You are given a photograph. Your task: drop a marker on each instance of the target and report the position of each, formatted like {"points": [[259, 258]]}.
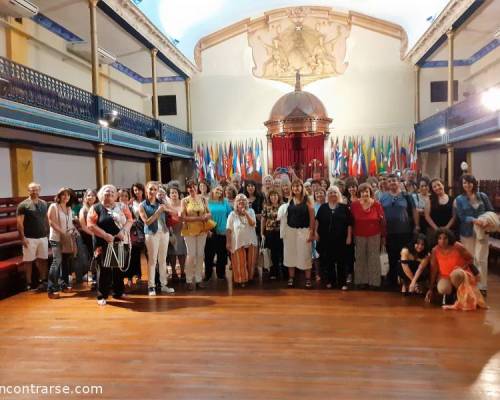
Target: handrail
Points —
{"points": [[25, 85]]}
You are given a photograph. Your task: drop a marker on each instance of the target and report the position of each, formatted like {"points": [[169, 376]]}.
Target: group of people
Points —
{"points": [[336, 233]]}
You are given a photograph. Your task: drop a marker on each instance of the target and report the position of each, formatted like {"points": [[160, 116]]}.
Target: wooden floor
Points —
{"points": [[254, 343]]}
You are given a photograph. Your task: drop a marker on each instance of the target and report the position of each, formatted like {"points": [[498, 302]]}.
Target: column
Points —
{"points": [[417, 94], [21, 168], [99, 160], [451, 166], [154, 99], [94, 46], [269, 154], [450, 35], [187, 83], [158, 167]]}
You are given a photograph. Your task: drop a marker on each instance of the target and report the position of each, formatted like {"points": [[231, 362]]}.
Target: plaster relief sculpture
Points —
{"points": [[310, 40]]}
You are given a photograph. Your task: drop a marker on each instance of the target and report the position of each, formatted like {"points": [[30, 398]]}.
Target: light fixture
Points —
{"points": [[491, 99], [442, 131], [110, 119]]}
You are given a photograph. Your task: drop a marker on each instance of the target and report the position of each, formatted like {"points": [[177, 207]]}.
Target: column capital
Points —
{"points": [[154, 52], [416, 68], [93, 3], [450, 33], [158, 156]]}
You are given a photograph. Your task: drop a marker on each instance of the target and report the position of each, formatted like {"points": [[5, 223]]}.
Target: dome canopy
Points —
{"points": [[298, 104]]}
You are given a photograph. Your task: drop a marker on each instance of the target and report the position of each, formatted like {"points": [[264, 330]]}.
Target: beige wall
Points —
{"points": [[170, 88], [55, 170], [125, 173], [486, 164], [5, 175], [374, 96]]}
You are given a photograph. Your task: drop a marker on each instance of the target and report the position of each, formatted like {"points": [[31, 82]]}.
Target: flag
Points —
{"points": [[345, 156], [258, 161], [355, 160], [249, 159], [237, 157], [333, 156], [338, 158], [404, 157], [230, 161], [382, 159], [413, 152], [373, 158], [220, 162], [390, 155], [242, 161]]}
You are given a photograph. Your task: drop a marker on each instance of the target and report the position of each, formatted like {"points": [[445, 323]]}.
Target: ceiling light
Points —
{"points": [[103, 123], [491, 99], [442, 131]]}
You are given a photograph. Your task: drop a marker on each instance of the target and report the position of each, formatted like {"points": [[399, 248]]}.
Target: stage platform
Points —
{"points": [[263, 342]]}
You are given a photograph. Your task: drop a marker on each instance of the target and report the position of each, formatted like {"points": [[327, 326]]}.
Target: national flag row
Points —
{"points": [[216, 161], [361, 156]]}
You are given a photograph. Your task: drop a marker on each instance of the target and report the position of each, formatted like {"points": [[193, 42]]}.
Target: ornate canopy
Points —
{"points": [[298, 112]]}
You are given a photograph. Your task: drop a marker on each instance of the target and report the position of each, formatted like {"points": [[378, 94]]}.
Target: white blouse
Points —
{"points": [[242, 234]]}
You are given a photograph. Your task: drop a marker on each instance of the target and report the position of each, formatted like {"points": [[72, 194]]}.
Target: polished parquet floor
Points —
{"points": [[262, 342]]}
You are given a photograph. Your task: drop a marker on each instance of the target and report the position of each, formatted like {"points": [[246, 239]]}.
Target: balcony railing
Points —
{"points": [[460, 114], [26, 86]]}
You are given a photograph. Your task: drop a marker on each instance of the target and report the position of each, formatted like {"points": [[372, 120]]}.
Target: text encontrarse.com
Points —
{"points": [[50, 389]]}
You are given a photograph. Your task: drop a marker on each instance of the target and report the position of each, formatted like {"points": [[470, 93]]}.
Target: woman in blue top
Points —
{"points": [[469, 206], [216, 240], [154, 216]]}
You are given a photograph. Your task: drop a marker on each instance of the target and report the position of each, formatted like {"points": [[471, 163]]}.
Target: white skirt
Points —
{"points": [[297, 251]]}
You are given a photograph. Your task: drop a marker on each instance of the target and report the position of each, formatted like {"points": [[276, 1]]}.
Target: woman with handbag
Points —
{"points": [[195, 214], [110, 223], [62, 240], [89, 200], [241, 240], [271, 232], [177, 250], [216, 240], [369, 233], [154, 215], [137, 237]]}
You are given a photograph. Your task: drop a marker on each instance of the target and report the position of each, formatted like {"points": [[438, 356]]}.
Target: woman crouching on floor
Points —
{"points": [[241, 240], [109, 221], [451, 266], [413, 272]]}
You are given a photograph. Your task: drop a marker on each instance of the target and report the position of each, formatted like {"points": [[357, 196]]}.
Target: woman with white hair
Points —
{"points": [[241, 240], [267, 184], [299, 234], [333, 235], [109, 221]]}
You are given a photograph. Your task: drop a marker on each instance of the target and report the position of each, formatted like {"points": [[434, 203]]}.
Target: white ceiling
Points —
{"points": [[189, 20], [74, 15], [474, 34]]}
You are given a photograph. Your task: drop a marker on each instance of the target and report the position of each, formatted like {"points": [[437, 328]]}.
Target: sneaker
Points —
{"points": [[152, 291], [167, 290], [308, 284], [349, 278], [53, 295], [101, 302], [290, 283], [344, 288], [28, 288], [328, 285]]}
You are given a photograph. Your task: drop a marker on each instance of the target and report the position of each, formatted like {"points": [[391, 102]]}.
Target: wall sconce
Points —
{"points": [[109, 119]]}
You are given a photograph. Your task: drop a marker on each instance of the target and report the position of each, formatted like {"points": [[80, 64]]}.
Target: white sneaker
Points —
{"points": [[168, 290], [349, 278], [152, 292], [101, 302], [344, 287]]}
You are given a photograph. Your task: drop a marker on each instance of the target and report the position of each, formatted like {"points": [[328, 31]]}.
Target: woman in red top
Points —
{"points": [[452, 263], [369, 233]]}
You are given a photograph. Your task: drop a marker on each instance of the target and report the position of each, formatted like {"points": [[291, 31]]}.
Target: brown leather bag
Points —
{"points": [[66, 240]]}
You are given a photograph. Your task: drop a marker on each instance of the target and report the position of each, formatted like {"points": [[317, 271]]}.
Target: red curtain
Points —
{"points": [[298, 149]]}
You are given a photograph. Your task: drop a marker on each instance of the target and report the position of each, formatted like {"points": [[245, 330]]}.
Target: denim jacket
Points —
{"points": [[150, 209], [466, 213]]}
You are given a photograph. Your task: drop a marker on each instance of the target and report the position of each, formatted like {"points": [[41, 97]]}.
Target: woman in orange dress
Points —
{"points": [[453, 264]]}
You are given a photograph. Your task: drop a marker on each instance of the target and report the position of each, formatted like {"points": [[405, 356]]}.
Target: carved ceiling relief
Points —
{"points": [[314, 43]]}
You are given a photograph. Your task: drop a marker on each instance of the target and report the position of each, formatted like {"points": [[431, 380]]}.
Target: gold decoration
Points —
{"points": [[299, 39]]}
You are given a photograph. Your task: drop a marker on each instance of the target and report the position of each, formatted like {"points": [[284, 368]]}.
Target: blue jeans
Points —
{"points": [[59, 269]]}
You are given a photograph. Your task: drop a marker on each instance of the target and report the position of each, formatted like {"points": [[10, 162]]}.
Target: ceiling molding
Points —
{"points": [[444, 21], [250, 24], [138, 21]]}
